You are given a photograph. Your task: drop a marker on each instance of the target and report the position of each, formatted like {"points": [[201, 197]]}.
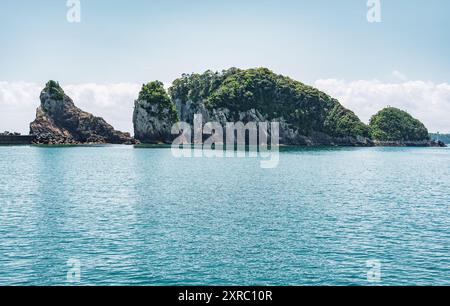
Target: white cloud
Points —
{"points": [[113, 102], [427, 101], [18, 103]]}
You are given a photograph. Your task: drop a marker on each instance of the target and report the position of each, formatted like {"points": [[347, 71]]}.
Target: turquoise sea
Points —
{"points": [[139, 216]]}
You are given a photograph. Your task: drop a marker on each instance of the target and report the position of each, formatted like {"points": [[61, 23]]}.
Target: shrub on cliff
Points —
{"points": [[153, 97], [53, 88], [392, 124]]}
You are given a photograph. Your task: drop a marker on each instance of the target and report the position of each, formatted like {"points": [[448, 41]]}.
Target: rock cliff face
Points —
{"points": [[59, 121], [289, 134], [306, 115], [154, 114]]}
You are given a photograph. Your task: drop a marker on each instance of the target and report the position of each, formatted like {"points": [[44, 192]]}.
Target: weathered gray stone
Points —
{"points": [[59, 121]]}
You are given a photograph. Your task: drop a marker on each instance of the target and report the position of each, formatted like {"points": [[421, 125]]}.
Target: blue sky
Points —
{"points": [[404, 61], [138, 41]]}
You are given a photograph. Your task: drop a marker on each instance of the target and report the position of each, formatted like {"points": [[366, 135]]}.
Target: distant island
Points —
{"points": [[392, 126], [307, 116], [445, 138]]}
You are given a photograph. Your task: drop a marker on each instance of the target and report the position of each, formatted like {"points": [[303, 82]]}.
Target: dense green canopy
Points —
{"points": [[392, 124], [154, 94], [275, 96]]}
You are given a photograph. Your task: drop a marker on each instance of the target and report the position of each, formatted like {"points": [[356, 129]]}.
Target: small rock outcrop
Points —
{"points": [[59, 121]]}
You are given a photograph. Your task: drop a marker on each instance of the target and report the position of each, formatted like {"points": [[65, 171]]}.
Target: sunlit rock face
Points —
{"points": [[154, 115], [59, 121]]}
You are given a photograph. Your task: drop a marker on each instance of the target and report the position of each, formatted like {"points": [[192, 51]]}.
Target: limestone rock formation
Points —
{"points": [[59, 121], [154, 114], [306, 115]]}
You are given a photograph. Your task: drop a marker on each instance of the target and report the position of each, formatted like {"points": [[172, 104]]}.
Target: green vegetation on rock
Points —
{"points": [[275, 96], [306, 115], [392, 124], [59, 122], [53, 88], [154, 95]]}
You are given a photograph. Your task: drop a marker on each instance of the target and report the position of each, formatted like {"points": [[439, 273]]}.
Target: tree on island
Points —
{"points": [[54, 89], [393, 124]]}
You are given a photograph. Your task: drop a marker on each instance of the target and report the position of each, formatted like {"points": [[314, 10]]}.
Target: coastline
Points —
{"points": [[425, 144], [16, 139], [281, 146]]}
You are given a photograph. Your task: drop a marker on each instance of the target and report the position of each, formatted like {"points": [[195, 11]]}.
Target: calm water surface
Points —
{"points": [[140, 216]]}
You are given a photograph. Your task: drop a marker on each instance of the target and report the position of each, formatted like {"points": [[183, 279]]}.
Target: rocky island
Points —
{"points": [[307, 116], [59, 121], [394, 127]]}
